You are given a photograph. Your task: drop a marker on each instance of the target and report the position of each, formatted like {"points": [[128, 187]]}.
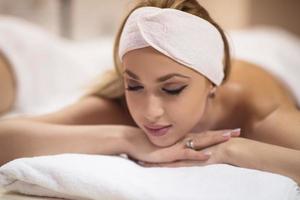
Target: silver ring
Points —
{"points": [[189, 144]]}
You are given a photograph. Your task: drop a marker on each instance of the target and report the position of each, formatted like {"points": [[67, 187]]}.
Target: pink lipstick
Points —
{"points": [[158, 131]]}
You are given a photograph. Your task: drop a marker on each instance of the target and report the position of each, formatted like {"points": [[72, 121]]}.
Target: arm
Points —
{"points": [[262, 156], [278, 153], [24, 138], [29, 138], [60, 132], [277, 148], [281, 127], [90, 110], [246, 153]]}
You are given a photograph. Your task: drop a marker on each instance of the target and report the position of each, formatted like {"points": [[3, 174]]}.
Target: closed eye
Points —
{"points": [[172, 92], [176, 91], [134, 88]]}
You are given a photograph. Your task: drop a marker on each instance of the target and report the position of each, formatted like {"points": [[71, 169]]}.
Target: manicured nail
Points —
{"points": [[141, 162], [227, 134], [236, 131], [208, 153]]}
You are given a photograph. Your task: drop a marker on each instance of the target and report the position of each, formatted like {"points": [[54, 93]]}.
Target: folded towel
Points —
{"points": [[82, 176]]}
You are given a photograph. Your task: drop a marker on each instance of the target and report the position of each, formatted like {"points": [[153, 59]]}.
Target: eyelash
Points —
{"points": [[172, 92]]}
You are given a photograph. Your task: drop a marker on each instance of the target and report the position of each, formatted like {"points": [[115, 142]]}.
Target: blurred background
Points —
{"points": [[84, 19], [43, 63]]}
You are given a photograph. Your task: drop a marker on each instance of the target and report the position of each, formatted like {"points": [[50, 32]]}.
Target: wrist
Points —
{"points": [[230, 151], [110, 140], [126, 139]]}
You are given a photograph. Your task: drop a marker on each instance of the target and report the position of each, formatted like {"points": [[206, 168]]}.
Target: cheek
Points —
{"points": [[189, 109], [135, 104], [185, 113]]}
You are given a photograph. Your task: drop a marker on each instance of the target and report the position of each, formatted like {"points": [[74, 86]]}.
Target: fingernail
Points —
{"points": [[236, 131], [208, 153], [227, 134], [141, 162]]}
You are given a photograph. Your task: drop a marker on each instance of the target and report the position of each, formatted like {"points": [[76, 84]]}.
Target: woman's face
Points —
{"points": [[161, 92]]}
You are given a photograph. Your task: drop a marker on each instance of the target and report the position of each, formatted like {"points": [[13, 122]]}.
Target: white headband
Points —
{"points": [[186, 38]]}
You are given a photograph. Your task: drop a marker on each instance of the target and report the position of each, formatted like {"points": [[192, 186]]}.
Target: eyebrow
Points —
{"points": [[160, 79]]}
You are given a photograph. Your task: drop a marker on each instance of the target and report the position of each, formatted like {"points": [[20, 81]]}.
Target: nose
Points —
{"points": [[154, 109]]}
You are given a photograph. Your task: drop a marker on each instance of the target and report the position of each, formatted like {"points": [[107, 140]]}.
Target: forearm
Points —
{"points": [[262, 156], [29, 138]]}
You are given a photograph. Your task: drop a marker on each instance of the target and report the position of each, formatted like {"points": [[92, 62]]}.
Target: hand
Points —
{"points": [[140, 148], [198, 141], [202, 141]]}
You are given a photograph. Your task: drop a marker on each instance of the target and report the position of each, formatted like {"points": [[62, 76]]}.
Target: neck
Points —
{"points": [[220, 113]]}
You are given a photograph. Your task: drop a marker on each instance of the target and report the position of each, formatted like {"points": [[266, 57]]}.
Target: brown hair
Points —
{"points": [[111, 83]]}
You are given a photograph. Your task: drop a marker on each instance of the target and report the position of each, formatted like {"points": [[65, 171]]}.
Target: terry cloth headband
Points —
{"points": [[186, 38]]}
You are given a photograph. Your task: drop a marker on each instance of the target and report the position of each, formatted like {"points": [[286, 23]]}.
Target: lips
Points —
{"points": [[157, 130]]}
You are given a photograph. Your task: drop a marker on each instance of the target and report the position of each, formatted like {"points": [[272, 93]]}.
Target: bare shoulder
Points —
{"points": [[281, 127], [7, 85], [262, 92], [90, 110], [267, 101]]}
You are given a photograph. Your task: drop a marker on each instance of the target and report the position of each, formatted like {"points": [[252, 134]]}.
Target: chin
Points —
{"points": [[163, 142], [168, 139]]}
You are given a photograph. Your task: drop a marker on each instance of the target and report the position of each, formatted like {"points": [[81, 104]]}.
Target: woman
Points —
{"points": [[164, 107]]}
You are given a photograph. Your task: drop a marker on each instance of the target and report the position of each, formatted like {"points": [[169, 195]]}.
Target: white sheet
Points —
{"points": [[81, 176]]}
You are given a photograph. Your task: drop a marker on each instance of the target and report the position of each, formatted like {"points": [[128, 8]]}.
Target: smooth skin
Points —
{"points": [[252, 100], [7, 85]]}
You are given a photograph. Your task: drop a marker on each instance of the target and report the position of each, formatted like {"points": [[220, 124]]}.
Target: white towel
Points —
{"points": [[82, 176], [197, 44], [51, 72], [272, 48]]}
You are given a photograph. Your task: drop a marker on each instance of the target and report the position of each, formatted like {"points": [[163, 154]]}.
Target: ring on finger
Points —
{"points": [[189, 144]]}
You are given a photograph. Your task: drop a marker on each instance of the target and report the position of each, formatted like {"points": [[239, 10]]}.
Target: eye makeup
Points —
{"points": [[176, 91]]}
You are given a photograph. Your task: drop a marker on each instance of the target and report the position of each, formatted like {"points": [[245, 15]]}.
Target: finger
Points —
{"points": [[187, 163], [175, 164], [132, 158], [184, 154], [236, 132], [146, 164], [200, 141], [190, 154], [209, 138]]}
